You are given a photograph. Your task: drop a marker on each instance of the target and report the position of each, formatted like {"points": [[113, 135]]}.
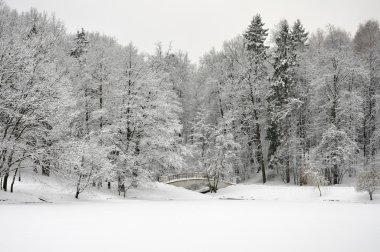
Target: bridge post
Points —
{"points": [[163, 179]]}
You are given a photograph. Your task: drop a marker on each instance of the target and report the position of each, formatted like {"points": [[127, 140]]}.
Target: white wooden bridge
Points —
{"points": [[196, 181]]}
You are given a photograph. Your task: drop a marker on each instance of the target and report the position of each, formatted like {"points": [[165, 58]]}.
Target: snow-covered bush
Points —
{"points": [[315, 176], [369, 181]]}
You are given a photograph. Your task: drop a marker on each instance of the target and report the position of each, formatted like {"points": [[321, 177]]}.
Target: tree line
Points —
{"points": [[288, 104], [299, 106]]}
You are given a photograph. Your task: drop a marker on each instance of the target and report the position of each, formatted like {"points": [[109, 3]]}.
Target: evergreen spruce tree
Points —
{"points": [[255, 37], [300, 116], [278, 98], [81, 43], [299, 35]]}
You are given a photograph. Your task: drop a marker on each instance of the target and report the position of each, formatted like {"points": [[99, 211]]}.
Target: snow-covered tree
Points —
{"points": [[256, 75], [144, 132], [29, 77], [367, 44], [368, 180], [201, 139], [88, 109], [83, 162], [221, 159], [335, 149], [283, 98]]}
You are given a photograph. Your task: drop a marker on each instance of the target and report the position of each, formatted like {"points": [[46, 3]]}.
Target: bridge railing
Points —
{"points": [[193, 175], [185, 176]]}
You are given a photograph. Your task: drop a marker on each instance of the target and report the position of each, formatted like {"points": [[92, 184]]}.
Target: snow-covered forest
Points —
{"points": [[280, 104], [271, 142]]}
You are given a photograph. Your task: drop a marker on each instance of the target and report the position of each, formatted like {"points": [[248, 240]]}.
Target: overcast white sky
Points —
{"points": [[196, 26]]}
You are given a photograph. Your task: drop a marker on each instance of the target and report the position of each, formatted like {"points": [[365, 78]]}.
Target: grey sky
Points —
{"points": [[196, 26]]}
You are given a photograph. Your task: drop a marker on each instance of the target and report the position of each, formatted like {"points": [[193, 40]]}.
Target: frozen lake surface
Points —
{"points": [[240, 218]]}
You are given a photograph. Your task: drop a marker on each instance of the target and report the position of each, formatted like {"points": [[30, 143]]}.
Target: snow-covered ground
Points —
{"points": [[158, 217]]}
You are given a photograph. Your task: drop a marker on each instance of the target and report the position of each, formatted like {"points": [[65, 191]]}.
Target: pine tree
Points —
{"points": [[285, 100], [279, 97], [81, 44], [301, 98], [255, 38], [299, 35]]}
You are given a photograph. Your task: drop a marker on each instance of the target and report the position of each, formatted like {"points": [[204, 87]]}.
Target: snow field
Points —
{"points": [[191, 225], [159, 217]]}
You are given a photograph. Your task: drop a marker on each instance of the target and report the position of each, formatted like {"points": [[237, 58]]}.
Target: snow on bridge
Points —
{"points": [[196, 181]]}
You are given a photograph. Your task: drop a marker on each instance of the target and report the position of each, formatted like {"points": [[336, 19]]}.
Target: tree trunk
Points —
{"points": [[5, 181], [14, 176], [319, 188], [119, 184], [257, 135], [78, 186], [220, 101], [287, 172], [287, 169], [101, 103], [336, 175], [370, 196], [87, 113], [259, 148], [6, 176]]}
